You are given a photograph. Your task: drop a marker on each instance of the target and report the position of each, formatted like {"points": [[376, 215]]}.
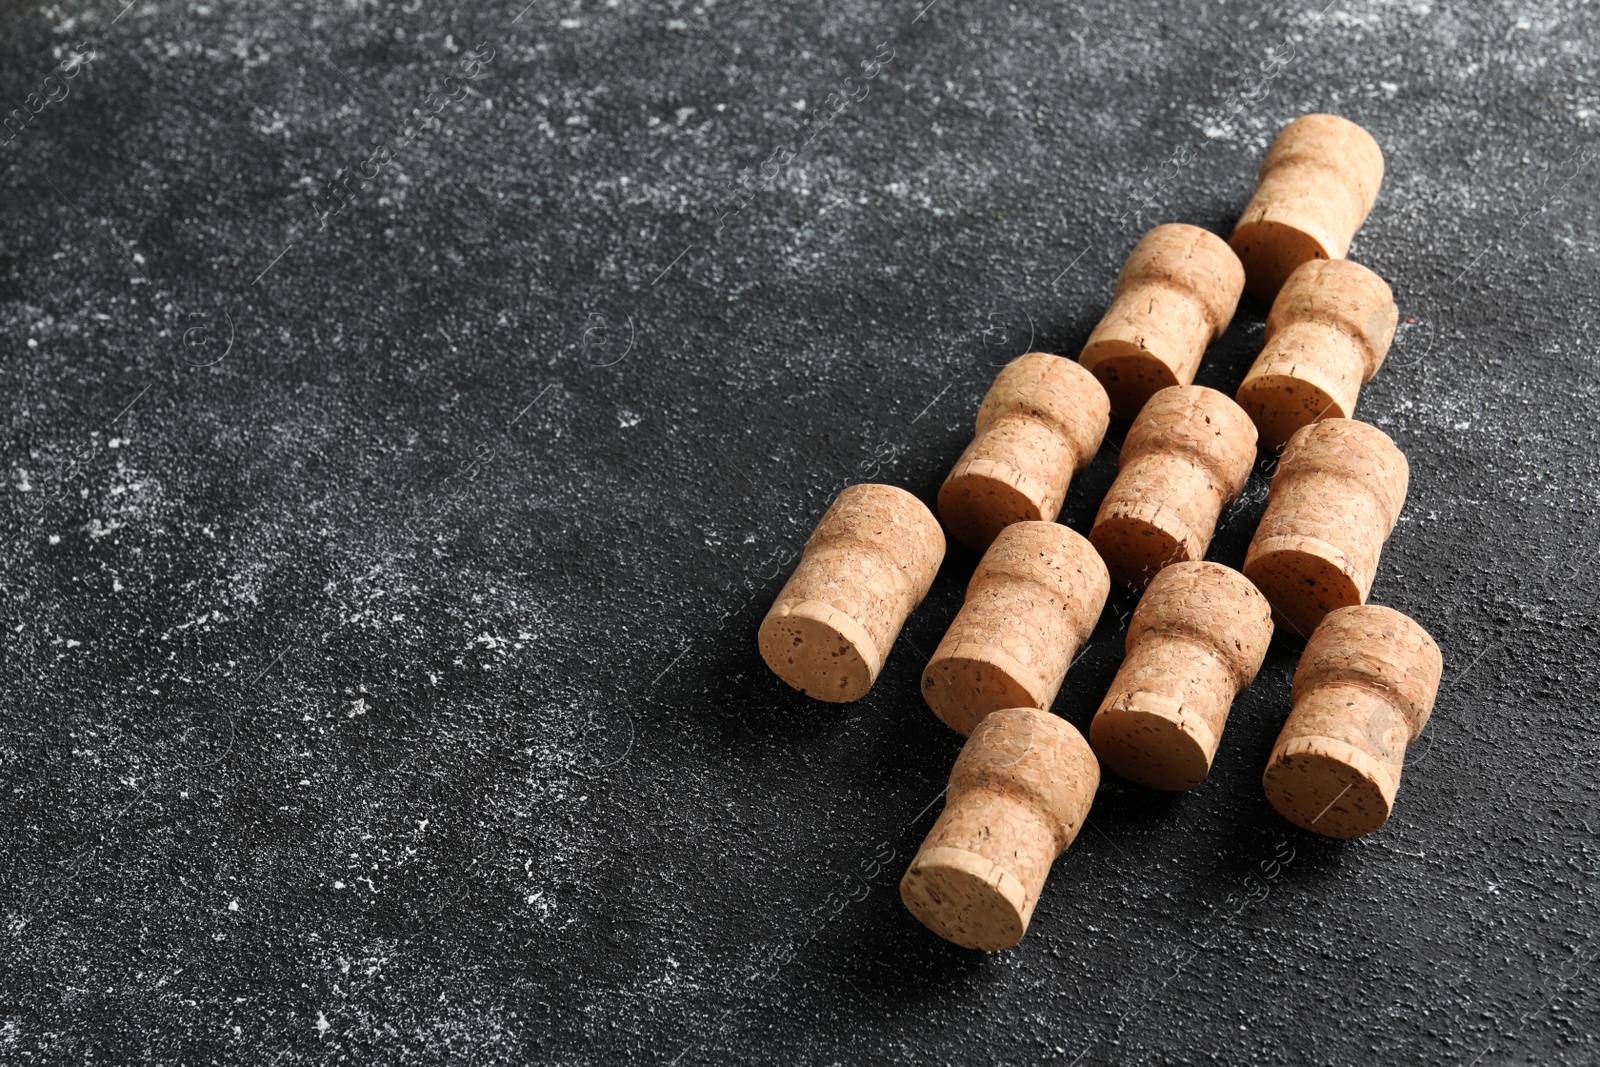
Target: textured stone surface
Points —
{"points": [[464, 710]]}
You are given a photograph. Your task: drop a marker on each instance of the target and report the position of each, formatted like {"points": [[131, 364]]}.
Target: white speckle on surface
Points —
{"points": [[323, 1025], [233, 905]]}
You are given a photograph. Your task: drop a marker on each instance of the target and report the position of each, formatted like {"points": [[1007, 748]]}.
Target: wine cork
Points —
{"points": [[1176, 294], [1039, 426], [1019, 793], [867, 565], [1196, 639], [1186, 457], [1030, 606], [1363, 692], [1336, 497], [1326, 335], [1313, 192]]}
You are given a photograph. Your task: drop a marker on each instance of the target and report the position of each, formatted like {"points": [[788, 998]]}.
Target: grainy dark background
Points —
{"points": [[380, 590]]}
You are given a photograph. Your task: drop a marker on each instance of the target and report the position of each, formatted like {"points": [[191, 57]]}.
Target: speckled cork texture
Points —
{"points": [[1313, 192], [1196, 639], [1186, 457], [1363, 692], [1031, 604], [1039, 425], [1326, 335], [1334, 500], [1019, 794], [866, 566], [1176, 294]]}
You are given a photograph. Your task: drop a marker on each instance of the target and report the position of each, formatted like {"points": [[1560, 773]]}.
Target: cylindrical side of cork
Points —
{"points": [[1019, 793], [1031, 604], [1333, 502], [869, 562], [1176, 294], [1041, 423], [1363, 692], [1186, 457]]}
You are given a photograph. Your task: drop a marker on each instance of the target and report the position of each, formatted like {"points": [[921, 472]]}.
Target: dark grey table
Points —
{"points": [[410, 411]]}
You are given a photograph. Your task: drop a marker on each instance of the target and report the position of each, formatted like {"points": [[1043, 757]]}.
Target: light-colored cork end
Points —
{"points": [[981, 497], [819, 650], [1330, 787], [1129, 373], [966, 899], [1141, 539], [965, 685], [1303, 579], [1271, 249], [1280, 404], [1153, 740], [1039, 425]]}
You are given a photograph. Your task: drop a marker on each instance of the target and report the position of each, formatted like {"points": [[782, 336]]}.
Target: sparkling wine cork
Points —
{"points": [[1186, 457], [1336, 497], [1196, 639], [868, 563], [1039, 425], [1363, 692], [1019, 793], [1327, 333], [1176, 294], [1031, 604], [1313, 192]]}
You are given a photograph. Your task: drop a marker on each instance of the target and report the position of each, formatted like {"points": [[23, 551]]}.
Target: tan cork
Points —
{"points": [[1019, 793], [1336, 497], [1176, 294], [1186, 457], [1363, 692], [869, 562], [1327, 333], [1031, 605], [1039, 425], [1196, 639], [1313, 192]]}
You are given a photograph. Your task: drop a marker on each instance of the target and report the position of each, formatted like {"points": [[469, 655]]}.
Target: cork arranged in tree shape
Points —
{"points": [[868, 564], [1195, 641], [1031, 604], [1186, 457], [1019, 793], [1176, 294], [1040, 424], [1326, 335], [1313, 192], [1333, 502], [1363, 692]]}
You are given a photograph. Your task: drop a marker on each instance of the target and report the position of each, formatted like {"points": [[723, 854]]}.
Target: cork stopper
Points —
{"points": [[1327, 333], [1336, 497], [869, 562], [1363, 692], [1186, 457], [1196, 639], [1039, 425], [1031, 604], [1176, 294], [1019, 793], [1313, 192]]}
